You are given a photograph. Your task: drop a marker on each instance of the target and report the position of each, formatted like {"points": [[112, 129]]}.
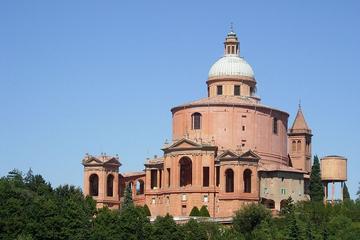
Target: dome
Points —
{"points": [[231, 65]]}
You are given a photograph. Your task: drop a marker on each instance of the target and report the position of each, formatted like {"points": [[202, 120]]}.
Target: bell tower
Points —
{"points": [[101, 179], [299, 142]]}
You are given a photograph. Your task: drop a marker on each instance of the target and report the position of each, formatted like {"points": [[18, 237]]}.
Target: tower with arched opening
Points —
{"points": [[101, 179]]}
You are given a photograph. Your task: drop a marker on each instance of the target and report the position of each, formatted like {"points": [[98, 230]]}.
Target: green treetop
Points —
{"points": [[316, 187], [346, 195]]}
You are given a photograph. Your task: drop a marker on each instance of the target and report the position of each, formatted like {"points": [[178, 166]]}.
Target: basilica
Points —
{"points": [[227, 150]]}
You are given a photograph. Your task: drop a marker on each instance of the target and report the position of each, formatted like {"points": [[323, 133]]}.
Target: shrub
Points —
{"points": [[194, 212], [204, 211]]}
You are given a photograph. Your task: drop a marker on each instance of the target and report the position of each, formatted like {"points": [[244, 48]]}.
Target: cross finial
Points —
{"points": [[299, 103], [231, 27]]}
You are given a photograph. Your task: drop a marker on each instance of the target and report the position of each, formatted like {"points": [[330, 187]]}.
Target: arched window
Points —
{"points": [[229, 175], [110, 185], [196, 120], [94, 185], [185, 171], [247, 181], [293, 146], [139, 187], [298, 145]]}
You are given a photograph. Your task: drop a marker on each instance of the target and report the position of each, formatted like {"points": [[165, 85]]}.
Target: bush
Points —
{"points": [[204, 211], [147, 210], [194, 212]]}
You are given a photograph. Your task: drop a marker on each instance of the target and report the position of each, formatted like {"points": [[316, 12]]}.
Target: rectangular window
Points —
{"points": [[217, 176], [183, 197], [205, 176], [237, 90], [219, 90], [169, 177], [275, 126], [160, 178], [153, 178], [243, 128]]}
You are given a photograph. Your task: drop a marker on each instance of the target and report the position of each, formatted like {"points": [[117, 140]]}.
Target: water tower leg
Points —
{"points": [[332, 192], [325, 192], [342, 191]]}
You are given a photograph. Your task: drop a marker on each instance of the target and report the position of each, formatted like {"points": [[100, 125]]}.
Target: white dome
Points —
{"points": [[231, 65]]}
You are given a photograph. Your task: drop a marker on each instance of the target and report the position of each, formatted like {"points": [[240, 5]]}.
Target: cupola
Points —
{"points": [[231, 75]]}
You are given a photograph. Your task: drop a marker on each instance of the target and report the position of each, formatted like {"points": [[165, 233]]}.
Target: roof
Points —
{"points": [[154, 161], [329, 157], [231, 65], [278, 168], [133, 174], [300, 124], [227, 100]]}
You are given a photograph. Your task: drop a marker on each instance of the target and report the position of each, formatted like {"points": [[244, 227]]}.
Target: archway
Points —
{"points": [[268, 203], [94, 185], [110, 185], [139, 187]]}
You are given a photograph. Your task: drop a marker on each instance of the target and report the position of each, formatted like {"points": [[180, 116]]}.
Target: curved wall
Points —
{"points": [[236, 127]]}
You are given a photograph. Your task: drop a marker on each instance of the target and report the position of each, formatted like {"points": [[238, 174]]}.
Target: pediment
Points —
{"points": [[228, 155], [91, 161], [188, 145], [99, 161], [250, 155], [184, 143], [112, 161]]}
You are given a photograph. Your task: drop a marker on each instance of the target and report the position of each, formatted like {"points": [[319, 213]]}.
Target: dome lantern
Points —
{"points": [[231, 44]]}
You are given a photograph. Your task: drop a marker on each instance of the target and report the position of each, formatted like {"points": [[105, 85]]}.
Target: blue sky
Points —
{"points": [[101, 76]]}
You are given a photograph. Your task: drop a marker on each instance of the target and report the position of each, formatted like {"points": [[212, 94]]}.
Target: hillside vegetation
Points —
{"points": [[30, 208]]}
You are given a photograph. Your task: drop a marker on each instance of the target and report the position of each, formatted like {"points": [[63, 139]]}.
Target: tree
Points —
{"points": [[165, 228], [128, 201], [193, 230], [106, 225], [316, 187], [346, 195], [204, 211], [288, 206], [358, 193], [263, 232], [293, 232], [249, 217], [147, 210], [194, 212], [134, 224]]}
